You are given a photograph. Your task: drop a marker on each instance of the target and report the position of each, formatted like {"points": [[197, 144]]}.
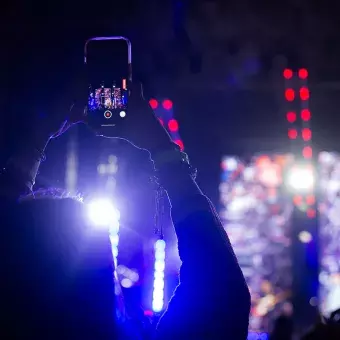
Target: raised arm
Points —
{"points": [[212, 300]]}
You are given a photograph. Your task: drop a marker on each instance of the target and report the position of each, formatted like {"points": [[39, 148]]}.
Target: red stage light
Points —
{"points": [[180, 144], [305, 115], [287, 73], [167, 104], [311, 213], [291, 117], [304, 93], [297, 199], [306, 134], [290, 95], [173, 125], [303, 73], [310, 199], [307, 152], [153, 103], [292, 134]]}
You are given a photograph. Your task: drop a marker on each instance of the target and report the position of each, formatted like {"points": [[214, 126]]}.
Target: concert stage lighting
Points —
{"points": [[300, 179], [102, 212]]}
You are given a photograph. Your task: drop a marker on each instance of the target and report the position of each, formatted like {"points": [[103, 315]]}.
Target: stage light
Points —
{"points": [[291, 117], [292, 134], [304, 93], [153, 103], [102, 212], [305, 115], [287, 73], [306, 134], [307, 152], [310, 199], [311, 213], [300, 178], [167, 104], [290, 95], [173, 125], [303, 73], [180, 144], [305, 237], [158, 284]]}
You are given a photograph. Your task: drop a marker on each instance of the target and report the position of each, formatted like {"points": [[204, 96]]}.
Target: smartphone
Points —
{"points": [[109, 72]]}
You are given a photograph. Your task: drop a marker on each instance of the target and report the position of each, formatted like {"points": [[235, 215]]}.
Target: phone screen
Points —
{"points": [[108, 73]]}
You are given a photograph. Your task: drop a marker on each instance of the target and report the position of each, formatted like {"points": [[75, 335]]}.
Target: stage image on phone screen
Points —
{"points": [[256, 213], [107, 70]]}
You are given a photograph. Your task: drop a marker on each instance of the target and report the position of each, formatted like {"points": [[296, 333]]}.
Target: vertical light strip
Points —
{"points": [[158, 283]]}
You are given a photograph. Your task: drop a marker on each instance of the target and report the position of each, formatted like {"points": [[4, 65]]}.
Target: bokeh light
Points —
{"points": [[153, 103], [291, 117], [180, 144], [305, 115], [290, 95], [300, 178], [304, 93], [303, 73], [173, 125], [167, 104], [287, 73], [102, 212], [292, 133], [307, 152]]}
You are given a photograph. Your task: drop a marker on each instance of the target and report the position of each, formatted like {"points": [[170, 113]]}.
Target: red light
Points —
{"points": [[306, 134], [292, 134], [161, 121], [307, 152], [153, 103], [167, 104], [311, 213], [310, 199], [297, 200], [291, 117], [305, 115], [173, 125], [180, 144], [303, 73], [290, 95], [304, 93], [288, 73]]}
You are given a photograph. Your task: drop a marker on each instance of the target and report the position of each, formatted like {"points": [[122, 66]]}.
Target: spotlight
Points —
{"points": [[300, 179], [102, 212]]}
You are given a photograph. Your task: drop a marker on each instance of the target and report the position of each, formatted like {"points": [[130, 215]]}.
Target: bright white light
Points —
{"points": [[157, 305], [102, 212], [126, 283], [158, 285], [301, 179], [230, 164], [305, 237], [122, 114]]}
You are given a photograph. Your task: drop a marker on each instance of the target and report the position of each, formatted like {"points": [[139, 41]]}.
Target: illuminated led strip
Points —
{"points": [[158, 283]]}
